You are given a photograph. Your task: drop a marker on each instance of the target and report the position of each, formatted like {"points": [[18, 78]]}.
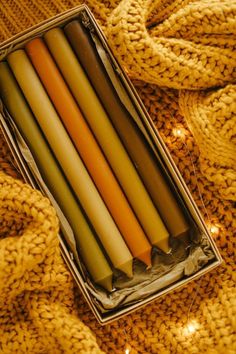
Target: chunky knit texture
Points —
{"points": [[38, 314], [173, 44], [212, 120], [181, 52]]}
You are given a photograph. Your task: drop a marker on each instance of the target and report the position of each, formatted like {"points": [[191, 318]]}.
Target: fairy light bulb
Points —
{"points": [[191, 327], [214, 229], [179, 132], [128, 349]]}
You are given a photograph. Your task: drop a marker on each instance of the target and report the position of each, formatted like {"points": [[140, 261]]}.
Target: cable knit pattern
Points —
{"points": [[182, 51], [37, 311], [183, 44], [212, 120]]}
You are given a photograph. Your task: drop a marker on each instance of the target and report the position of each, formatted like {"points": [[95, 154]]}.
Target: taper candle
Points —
{"points": [[107, 138], [128, 132], [70, 161], [88, 247], [89, 150]]}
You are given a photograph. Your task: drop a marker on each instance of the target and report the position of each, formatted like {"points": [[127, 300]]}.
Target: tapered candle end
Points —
{"points": [[127, 268], [106, 283], [146, 257], [163, 245]]}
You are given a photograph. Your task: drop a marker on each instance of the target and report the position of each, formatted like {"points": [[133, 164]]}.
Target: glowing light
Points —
{"points": [[127, 351], [179, 132], [191, 328], [214, 229]]}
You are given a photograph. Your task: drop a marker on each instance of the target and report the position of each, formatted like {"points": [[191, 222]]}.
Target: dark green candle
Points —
{"points": [[132, 138]]}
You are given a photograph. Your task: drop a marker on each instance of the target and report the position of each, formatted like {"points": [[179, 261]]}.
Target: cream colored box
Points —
{"points": [[153, 139]]}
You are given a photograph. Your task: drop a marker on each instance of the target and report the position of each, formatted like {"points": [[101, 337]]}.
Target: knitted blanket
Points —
{"points": [[180, 56]]}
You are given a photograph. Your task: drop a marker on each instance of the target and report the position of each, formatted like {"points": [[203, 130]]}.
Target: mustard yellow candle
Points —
{"points": [[88, 247], [89, 150], [70, 162], [107, 138]]}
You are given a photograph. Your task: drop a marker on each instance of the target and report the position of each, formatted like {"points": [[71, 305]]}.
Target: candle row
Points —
{"points": [[85, 127], [127, 130]]}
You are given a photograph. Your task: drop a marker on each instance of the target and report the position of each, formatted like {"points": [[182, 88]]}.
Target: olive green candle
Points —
{"points": [[88, 247], [129, 133]]}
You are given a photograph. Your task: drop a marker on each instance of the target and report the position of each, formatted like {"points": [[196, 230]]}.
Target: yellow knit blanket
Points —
{"points": [[181, 57]]}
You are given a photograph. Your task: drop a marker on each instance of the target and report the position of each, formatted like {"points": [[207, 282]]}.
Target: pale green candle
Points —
{"points": [[88, 247], [70, 162], [108, 138]]}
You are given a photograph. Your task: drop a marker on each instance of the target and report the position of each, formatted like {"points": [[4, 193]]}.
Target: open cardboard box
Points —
{"points": [[152, 138]]}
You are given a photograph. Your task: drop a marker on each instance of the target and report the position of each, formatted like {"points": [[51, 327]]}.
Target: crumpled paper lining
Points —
{"points": [[167, 269], [185, 258]]}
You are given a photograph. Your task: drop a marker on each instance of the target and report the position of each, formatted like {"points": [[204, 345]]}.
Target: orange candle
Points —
{"points": [[89, 150]]}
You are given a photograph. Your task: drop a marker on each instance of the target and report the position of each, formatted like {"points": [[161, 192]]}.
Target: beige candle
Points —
{"points": [[108, 139], [70, 162]]}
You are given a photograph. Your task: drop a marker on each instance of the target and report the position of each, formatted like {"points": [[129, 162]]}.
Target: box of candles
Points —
{"points": [[130, 231]]}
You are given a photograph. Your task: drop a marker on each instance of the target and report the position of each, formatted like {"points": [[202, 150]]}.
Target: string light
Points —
{"points": [[128, 347], [214, 229], [179, 132], [191, 327]]}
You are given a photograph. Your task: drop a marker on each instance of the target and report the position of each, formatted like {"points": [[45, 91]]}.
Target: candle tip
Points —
{"points": [[127, 268], [163, 245], [146, 257], [106, 283]]}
